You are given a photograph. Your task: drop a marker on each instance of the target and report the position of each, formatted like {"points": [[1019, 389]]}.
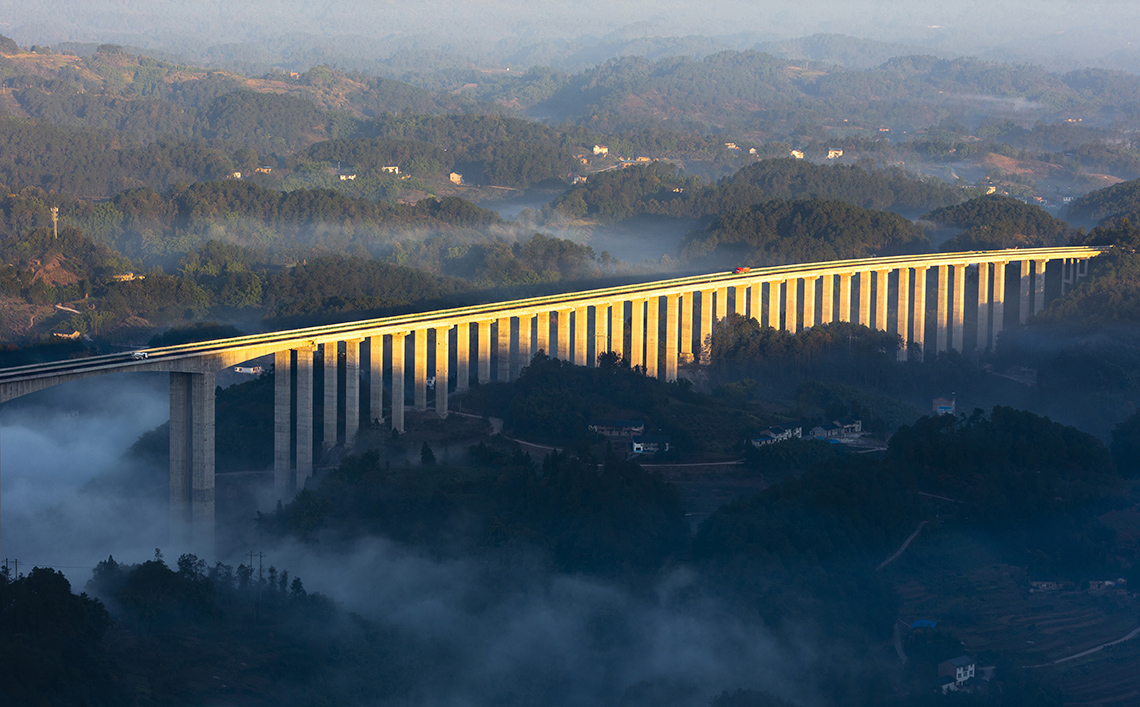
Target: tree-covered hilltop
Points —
{"points": [[803, 231], [994, 221], [660, 189], [1111, 204], [736, 89], [885, 190]]}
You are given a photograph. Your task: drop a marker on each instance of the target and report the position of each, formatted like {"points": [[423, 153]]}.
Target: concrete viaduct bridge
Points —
{"points": [[658, 325]]}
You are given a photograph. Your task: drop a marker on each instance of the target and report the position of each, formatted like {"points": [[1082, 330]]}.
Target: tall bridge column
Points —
{"points": [[1068, 271], [791, 304], [485, 352], [463, 356], [845, 297], [329, 356], [564, 334], [983, 306], [526, 324], [376, 378], [351, 391], [652, 335], [543, 332], [1023, 310], [419, 366], [304, 415], [827, 299], [1039, 285], [192, 455], [637, 334], [740, 300], [581, 331], [671, 332], [809, 302], [919, 324], [943, 304], [999, 302], [721, 303], [865, 298], [706, 325], [617, 328], [686, 351], [282, 425], [442, 337], [902, 311], [504, 345], [601, 331], [774, 304], [754, 298], [399, 353], [881, 289], [959, 309]]}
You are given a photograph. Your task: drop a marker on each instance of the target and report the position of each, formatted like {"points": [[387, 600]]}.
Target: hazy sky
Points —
{"points": [[1085, 29]]}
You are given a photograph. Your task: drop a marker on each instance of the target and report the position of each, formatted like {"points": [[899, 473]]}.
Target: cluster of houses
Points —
{"points": [[632, 432], [834, 431], [1095, 586]]}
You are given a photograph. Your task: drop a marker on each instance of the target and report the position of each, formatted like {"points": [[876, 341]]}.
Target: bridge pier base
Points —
{"points": [[192, 458]]}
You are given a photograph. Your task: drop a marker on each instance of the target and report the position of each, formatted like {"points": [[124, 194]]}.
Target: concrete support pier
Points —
{"points": [[983, 306], [774, 304], [617, 328], [442, 354], [958, 312], [462, 357], [999, 303], [283, 425], [503, 337], [827, 299], [399, 350], [1039, 285], [351, 391], [845, 297], [809, 302], [686, 350], [581, 332], [192, 457], [304, 415], [919, 324], [652, 335], [543, 332], [563, 335], [902, 311], [419, 366], [1023, 312], [328, 430], [601, 332], [526, 352], [881, 289], [865, 298], [672, 330], [376, 378], [484, 352], [706, 326], [791, 304], [943, 304], [637, 334]]}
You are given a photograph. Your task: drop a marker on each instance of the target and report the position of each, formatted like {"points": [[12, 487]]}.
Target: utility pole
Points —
{"points": [[55, 221]]}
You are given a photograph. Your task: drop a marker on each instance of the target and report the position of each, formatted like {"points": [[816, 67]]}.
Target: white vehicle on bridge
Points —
{"points": [[140, 355]]}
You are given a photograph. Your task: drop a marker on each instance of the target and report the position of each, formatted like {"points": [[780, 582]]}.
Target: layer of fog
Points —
{"points": [[507, 621], [53, 445], [499, 621], [1057, 33]]}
